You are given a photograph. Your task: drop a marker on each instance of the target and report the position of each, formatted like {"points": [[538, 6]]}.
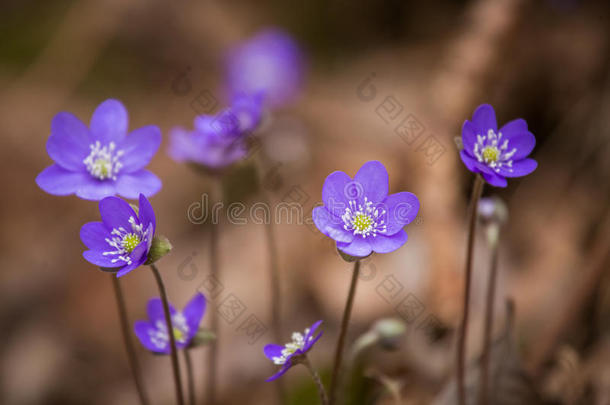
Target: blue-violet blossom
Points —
{"points": [[270, 63], [497, 154], [288, 355], [218, 141], [122, 240], [153, 333], [101, 160], [360, 215]]}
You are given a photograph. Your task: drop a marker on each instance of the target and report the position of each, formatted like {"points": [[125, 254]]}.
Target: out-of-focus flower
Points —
{"points": [[291, 353], [217, 141], [492, 210], [153, 333], [497, 154], [270, 63], [101, 160], [122, 240], [360, 215]]}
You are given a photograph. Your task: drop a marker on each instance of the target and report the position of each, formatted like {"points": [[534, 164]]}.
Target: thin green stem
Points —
{"points": [[316, 380], [477, 190], [334, 382], [215, 196], [131, 353], [170, 332], [489, 313], [189, 376]]}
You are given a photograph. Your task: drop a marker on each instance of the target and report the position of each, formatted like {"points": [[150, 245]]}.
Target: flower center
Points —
{"points": [[159, 336], [298, 342], [103, 161], [363, 219], [491, 150], [123, 242], [130, 241], [490, 154]]}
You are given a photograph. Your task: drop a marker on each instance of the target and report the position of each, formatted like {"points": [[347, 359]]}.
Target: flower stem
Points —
{"points": [[215, 196], [189, 376], [334, 382], [131, 354], [274, 275], [477, 189], [317, 381], [489, 313], [170, 332]]}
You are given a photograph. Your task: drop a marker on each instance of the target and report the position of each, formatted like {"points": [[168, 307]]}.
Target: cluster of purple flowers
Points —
{"points": [[102, 160]]}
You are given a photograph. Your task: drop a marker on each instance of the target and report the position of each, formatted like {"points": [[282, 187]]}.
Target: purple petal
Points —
{"points": [[143, 330], [387, 244], [146, 213], [359, 247], [95, 190], [139, 147], [155, 312], [401, 209], [59, 181], [520, 168], [473, 164], [513, 127], [97, 258], [484, 118], [336, 192], [193, 312], [310, 344], [180, 145], [330, 225], [68, 144], [373, 177], [116, 212], [495, 179], [93, 235], [280, 373], [131, 185], [313, 328], [272, 351], [136, 261], [109, 122], [469, 136], [524, 142]]}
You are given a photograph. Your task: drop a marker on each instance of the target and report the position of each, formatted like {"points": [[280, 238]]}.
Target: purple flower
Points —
{"points": [[218, 141], [122, 240], [288, 355], [270, 63], [153, 333], [360, 215], [101, 160], [496, 154]]}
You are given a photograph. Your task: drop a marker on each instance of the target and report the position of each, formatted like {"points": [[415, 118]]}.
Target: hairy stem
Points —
{"points": [[189, 376], [131, 354], [489, 313], [216, 195], [317, 381], [477, 189], [334, 382], [170, 332]]}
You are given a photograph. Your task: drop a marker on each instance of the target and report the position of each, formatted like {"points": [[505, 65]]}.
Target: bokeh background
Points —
{"points": [[435, 61]]}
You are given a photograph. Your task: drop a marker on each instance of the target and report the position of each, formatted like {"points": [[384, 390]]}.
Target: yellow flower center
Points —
{"points": [[178, 334], [362, 222], [130, 241], [491, 153]]}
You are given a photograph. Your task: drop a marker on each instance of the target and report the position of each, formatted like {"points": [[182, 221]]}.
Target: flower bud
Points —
{"points": [[160, 247]]}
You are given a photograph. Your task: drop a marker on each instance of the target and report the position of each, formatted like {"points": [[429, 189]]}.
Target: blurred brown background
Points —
{"points": [[545, 61]]}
